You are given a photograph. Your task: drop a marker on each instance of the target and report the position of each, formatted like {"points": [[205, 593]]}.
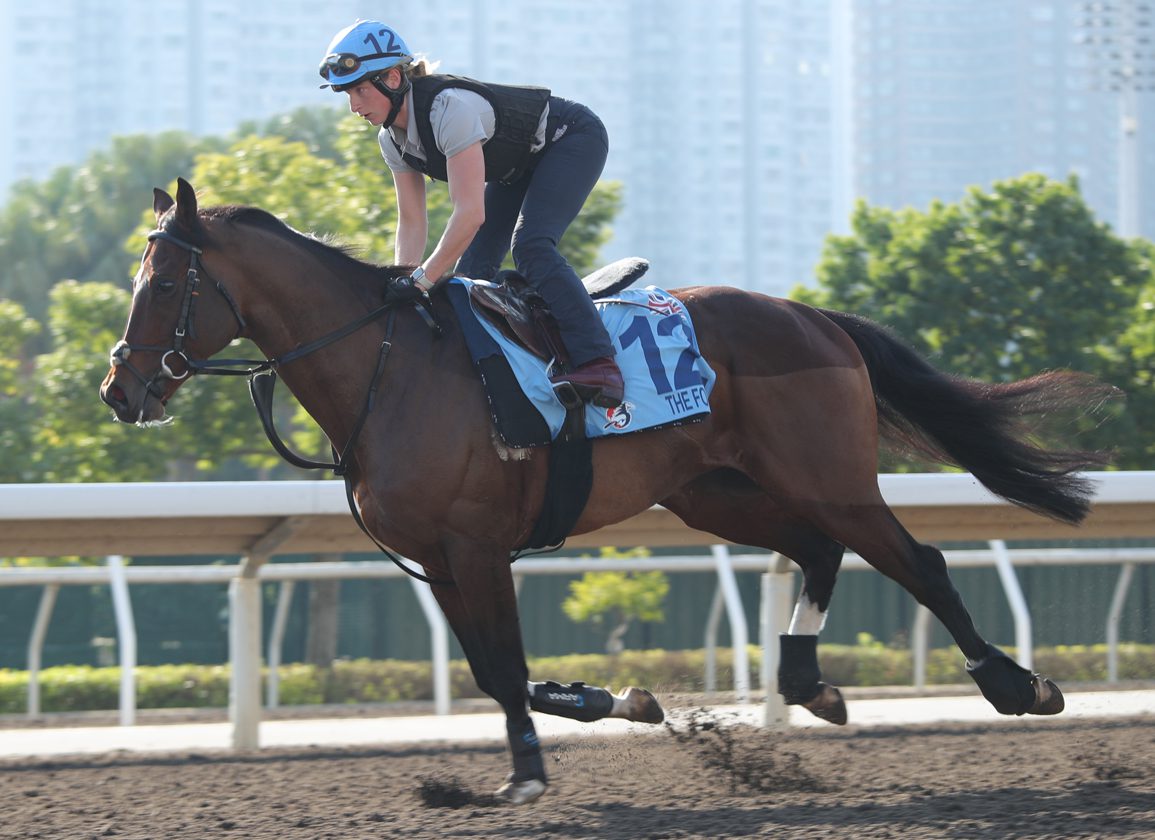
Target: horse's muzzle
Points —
{"points": [[129, 400]]}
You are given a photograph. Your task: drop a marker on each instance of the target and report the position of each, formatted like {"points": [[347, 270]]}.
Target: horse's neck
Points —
{"points": [[296, 310]]}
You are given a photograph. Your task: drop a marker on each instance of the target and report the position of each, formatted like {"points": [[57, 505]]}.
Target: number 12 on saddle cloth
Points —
{"points": [[667, 380]]}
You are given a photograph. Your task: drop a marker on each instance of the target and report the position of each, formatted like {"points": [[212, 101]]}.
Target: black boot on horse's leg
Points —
{"points": [[528, 780], [799, 683], [587, 703], [1012, 689]]}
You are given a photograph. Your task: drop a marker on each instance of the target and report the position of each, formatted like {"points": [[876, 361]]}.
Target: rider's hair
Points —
{"points": [[421, 66]]}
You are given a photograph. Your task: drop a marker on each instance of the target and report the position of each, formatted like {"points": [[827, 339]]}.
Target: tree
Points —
{"points": [[316, 127], [999, 286], [16, 414], [73, 439], [620, 597], [73, 225], [1137, 348]]}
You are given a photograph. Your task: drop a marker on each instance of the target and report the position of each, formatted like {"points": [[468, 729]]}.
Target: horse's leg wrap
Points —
{"points": [[528, 780], [798, 669], [1008, 686], [526, 749], [576, 700]]}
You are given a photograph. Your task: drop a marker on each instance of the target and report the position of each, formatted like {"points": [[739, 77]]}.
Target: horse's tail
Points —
{"points": [[978, 426]]}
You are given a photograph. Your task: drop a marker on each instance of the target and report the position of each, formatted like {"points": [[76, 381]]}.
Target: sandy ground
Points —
{"points": [[700, 778]]}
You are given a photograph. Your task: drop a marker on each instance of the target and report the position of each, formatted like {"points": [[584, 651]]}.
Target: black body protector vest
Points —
{"points": [[516, 114]]}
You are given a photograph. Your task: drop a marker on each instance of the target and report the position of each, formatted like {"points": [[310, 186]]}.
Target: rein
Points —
{"points": [[262, 375]]}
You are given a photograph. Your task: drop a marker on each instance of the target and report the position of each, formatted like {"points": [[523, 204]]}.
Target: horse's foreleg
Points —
{"points": [[588, 703], [487, 626]]}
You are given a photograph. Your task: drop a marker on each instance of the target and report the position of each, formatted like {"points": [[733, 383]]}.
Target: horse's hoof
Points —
{"points": [[638, 705], [521, 793], [828, 705], [1048, 698]]}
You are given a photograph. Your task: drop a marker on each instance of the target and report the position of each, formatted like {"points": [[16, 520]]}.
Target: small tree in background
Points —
{"points": [[617, 598]]}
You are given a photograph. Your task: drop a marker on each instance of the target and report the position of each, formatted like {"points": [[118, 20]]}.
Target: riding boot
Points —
{"points": [[598, 381]]}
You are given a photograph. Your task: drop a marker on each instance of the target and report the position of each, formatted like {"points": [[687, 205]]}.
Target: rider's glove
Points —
{"points": [[409, 289]]}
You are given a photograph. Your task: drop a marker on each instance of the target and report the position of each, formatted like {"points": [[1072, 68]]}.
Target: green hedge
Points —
{"points": [[869, 663]]}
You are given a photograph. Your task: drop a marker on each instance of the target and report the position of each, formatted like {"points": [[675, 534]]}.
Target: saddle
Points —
{"points": [[521, 314]]}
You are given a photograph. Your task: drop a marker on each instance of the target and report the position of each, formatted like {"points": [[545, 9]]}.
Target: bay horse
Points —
{"points": [[786, 461]]}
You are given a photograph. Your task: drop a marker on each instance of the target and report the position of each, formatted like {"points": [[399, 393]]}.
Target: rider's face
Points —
{"points": [[369, 103]]}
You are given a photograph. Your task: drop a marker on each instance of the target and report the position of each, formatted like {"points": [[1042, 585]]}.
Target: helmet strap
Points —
{"points": [[396, 96]]}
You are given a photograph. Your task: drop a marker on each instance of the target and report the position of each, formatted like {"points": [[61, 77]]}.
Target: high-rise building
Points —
{"points": [[954, 93], [741, 130]]}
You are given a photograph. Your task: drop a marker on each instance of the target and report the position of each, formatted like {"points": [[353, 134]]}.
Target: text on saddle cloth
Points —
{"points": [[667, 380]]}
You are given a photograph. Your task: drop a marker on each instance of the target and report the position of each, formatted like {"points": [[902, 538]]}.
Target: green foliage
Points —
{"points": [[621, 597], [73, 225], [73, 439], [317, 128], [16, 410], [1004, 284]]}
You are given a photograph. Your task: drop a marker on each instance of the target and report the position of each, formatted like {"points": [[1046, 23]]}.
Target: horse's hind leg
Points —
{"points": [[728, 505], [875, 533], [818, 461]]}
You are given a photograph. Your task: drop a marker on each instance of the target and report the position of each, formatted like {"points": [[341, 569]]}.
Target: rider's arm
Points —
{"points": [[466, 171], [412, 218]]}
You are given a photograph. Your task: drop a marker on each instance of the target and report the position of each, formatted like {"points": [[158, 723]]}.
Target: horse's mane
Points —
{"points": [[339, 259]]}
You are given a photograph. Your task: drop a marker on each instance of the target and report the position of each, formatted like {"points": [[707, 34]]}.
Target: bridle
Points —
{"points": [[185, 328]]}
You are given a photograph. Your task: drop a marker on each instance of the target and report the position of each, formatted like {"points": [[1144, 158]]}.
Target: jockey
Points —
{"points": [[519, 162]]}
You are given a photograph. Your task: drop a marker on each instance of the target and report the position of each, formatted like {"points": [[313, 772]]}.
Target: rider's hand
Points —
{"points": [[404, 290]]}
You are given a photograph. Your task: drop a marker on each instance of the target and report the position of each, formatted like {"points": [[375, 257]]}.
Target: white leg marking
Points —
{"points": [[807, 620]]}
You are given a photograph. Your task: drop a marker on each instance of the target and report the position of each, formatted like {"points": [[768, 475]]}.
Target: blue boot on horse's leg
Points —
{"points": [[1012, 689], [798, 681], [588, 703]]}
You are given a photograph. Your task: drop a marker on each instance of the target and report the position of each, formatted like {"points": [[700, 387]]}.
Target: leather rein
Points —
{"points": [[262, 374]]}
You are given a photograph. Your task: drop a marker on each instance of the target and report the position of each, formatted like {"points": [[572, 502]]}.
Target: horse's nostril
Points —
{"points": [[114, 395]]}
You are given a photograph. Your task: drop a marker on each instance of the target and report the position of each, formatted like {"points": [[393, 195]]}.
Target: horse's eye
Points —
{"points": [[163, 285]]}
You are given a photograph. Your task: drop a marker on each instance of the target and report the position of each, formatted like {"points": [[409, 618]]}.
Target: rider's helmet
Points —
{"points": [[364, 49]]}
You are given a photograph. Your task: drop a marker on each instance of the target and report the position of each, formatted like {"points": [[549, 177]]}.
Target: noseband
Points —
{"points": [[185, 327]]}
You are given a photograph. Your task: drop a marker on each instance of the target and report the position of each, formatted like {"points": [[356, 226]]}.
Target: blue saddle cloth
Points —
{"points": [[667, 381]]}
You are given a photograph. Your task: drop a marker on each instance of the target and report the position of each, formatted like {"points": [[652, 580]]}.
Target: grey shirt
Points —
{"points": [[459, 119]]}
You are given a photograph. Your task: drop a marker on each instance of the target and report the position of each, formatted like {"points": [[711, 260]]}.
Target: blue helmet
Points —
{"points": [[366, 48]]}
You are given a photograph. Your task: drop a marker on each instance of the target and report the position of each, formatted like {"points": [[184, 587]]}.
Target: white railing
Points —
{"points": [[776, 602]]}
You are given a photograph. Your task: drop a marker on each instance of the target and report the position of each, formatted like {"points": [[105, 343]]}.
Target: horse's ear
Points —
{"points": [[186, 203], [161, 202]]}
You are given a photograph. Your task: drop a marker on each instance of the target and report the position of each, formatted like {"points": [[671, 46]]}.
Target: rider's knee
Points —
{"points": [[534, 251]]}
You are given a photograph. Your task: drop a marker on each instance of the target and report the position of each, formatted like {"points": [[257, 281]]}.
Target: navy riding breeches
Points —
{"points": [[531, 215]]}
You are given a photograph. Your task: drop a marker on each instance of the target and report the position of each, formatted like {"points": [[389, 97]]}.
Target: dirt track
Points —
{"points": [[1006, 780]]}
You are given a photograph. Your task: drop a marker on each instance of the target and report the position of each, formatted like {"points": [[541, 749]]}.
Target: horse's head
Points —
{"points": [[175, 319]]}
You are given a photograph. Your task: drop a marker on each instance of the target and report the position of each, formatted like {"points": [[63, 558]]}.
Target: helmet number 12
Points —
{"points": [[391, 47]]}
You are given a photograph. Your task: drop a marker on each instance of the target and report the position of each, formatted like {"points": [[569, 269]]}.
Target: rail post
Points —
{"points": [[777, 601]]}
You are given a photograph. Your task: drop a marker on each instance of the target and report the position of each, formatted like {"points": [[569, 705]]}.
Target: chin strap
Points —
{"points": [[396, 97]]}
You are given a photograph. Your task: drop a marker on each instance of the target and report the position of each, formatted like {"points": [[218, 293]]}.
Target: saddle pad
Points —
{"points": [[667, 380]]}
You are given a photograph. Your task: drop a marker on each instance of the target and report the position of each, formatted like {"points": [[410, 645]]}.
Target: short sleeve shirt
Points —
{"points": [[459, 119]]}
